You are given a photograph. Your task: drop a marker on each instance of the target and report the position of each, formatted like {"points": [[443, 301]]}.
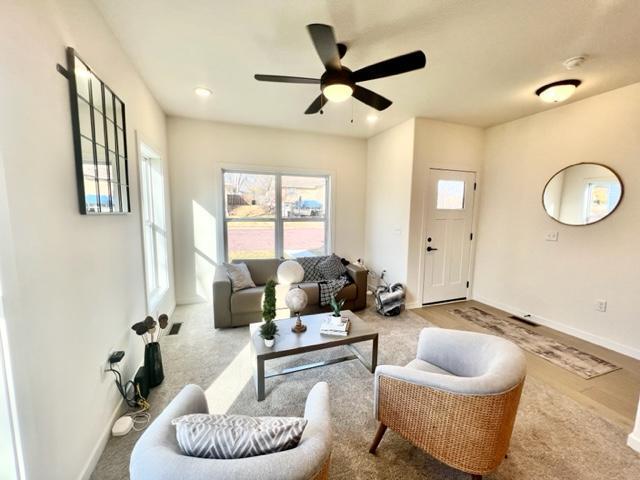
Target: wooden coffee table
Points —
{"points": [[289, 343]]}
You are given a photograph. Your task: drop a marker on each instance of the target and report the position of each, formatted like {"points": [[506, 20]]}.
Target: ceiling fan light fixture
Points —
{"points": [[337, 92], [372, 118], [557, 92]]}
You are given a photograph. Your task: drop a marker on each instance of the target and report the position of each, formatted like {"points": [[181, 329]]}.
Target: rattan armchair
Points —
{"points": [[457, 400]]}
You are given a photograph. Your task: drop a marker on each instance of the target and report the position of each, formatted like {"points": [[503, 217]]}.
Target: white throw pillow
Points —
{"points": [[290, 272], [236, 436], [239, 275]]}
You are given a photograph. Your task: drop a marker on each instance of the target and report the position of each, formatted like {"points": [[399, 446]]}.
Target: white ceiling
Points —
{"points": [[485, 58]]}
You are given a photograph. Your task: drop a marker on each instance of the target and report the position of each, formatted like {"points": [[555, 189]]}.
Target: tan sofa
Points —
{"points": [[245, 306]]}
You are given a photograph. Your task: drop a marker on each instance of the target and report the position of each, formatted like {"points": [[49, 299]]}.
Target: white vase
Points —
{"points": [[268, 342]]}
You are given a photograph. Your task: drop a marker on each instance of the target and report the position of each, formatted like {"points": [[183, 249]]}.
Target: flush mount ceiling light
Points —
{"points": [[202, 92], [558, 91]]}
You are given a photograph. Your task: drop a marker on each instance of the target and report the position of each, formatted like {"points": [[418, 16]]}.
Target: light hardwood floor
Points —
{"points": [[613, 395]]}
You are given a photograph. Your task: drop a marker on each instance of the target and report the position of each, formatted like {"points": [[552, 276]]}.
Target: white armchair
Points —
{"points": [[457, 400], [157, 456]]}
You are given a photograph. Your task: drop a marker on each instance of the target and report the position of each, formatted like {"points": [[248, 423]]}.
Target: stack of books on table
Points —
{"points": [[338, 326]]}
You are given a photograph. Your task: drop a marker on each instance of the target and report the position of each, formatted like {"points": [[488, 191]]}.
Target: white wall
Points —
{"points": [[388, 173], [559, 282], [77, 285], [197, 151], [437, 145]]}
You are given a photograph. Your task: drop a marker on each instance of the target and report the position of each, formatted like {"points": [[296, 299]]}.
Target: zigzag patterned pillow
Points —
{"points": [[236, 436]]}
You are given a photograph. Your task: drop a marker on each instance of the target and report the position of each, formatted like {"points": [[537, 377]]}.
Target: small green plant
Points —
{"points": [[269, 330], [269, 302], [336, 305]]}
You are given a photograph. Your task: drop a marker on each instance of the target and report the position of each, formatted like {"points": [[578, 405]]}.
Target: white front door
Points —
{"points": [[447, 240]]}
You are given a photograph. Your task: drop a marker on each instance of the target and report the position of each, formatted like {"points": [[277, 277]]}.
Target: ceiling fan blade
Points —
{"points": [[393, 66], [324, 40], [285, 79], [371, 98], [316, 105]]}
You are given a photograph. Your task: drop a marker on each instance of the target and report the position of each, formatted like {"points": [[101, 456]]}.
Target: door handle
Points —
{"points": [[431, 249]]}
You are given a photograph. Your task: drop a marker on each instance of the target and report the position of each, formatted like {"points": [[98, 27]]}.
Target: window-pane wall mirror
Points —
{"points": [[582, 194], [100, 141]]}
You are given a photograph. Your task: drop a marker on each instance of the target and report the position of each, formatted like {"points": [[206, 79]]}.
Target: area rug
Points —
{"points": [[554, 437], [576, 361]]}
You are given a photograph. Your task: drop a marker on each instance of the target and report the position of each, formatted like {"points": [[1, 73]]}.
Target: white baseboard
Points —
{"points": [[88, 468], [633, 441], [412, 305], [561, 327]]}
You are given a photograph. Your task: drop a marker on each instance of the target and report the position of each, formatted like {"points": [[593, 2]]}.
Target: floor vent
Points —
{"points": [[524, 320], [175, 328]]}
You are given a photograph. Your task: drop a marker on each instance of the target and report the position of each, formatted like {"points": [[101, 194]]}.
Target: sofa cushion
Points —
{"points": [[348, 292], [423, 366], [236, 436], [261, 269], [239, 275], [247, 300], [312, 291]]}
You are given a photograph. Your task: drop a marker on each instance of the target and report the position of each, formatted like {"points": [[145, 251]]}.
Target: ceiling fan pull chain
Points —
{"points": [[351, 109]]}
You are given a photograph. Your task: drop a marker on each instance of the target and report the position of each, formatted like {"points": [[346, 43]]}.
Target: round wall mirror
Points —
{"points": [[582, 194]]}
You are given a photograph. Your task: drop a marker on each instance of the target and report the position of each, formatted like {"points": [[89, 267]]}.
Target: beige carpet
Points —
{"points": [[554, 437]]}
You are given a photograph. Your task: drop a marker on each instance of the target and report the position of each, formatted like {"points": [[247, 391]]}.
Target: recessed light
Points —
{"points": [[372, 118], [202, 91], [558, 91]]}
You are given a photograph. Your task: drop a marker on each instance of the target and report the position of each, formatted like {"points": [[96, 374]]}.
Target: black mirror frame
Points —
{"points": [[122, 177], [574, 165]]}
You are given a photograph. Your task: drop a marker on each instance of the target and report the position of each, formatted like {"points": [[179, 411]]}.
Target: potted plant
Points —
{"points": [[336, 305], [149, 333], [269, 329]]}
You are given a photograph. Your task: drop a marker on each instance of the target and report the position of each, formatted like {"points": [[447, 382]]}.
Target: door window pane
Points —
{"points": [[450, 195], [303, 197], [251, 240], [249, 195], [303, 239]]}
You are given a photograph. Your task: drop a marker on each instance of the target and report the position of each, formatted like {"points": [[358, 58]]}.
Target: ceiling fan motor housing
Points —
{"points": [[332, 77]]}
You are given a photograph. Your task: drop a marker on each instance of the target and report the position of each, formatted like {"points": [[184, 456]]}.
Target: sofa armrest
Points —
{"points": [[221, 298], [359, 276]]}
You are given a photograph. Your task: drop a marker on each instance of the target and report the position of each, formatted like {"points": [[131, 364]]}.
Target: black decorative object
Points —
{"points": [[153, 364], [99, 140]]}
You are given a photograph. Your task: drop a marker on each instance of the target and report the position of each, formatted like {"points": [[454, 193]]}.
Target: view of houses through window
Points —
{"points": [[275, 215]]}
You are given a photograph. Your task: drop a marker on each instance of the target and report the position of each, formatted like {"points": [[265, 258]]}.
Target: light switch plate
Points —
{"points": [[551, 237]]}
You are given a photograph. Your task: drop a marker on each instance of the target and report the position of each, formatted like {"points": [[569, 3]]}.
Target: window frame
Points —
{"points": [[278, 220], [151, 231]]}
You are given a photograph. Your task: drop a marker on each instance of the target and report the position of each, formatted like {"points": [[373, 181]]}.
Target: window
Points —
{"points": [[269, 215], [154, 225], [450, 195]]}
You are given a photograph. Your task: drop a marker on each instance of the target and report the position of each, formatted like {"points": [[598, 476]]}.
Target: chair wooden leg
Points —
{"points": [[376, 440]]}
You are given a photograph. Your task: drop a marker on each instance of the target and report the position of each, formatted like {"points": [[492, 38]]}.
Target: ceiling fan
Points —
{"points": [[338, 83]]}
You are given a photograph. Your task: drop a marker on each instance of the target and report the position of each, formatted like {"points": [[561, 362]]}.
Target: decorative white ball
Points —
{"points": [[296, 300], [290, 272]]}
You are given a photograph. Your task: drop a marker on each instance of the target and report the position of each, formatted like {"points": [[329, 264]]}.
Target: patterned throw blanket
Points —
{"points": [[329, 287]]}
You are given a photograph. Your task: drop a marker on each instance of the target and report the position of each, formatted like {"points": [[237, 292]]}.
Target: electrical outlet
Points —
{"points": [[601, 305], [551, 237]]}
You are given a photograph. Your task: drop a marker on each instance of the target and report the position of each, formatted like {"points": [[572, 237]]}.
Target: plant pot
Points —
{"points": [[268, 342], [153, 364]]}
